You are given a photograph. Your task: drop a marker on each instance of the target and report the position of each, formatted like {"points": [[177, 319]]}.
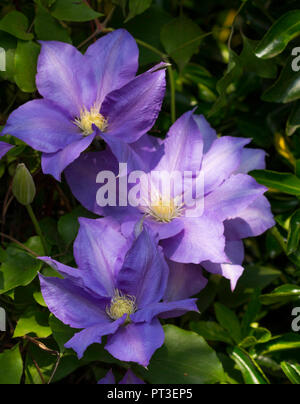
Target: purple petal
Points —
{"points": [[142, 155], [71, 304], [165, 230], [4, 148], [164, 310], [100, 249], [43, 126], [223, 159], [202, 239], [65, 77], [114, 59], [108, 379], [208, 134], [131, 378], [252, 159], [183, 146], [145, 271], [185, 280], [55, 163], [132, 110], [252, 222], [235, 252], [136, 342], [233, 197], [93, 335]]}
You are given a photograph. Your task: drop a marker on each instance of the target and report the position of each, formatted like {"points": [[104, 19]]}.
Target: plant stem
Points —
{"points": [[37, 227]]}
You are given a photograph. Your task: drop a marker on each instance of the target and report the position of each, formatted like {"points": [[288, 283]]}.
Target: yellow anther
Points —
{"points": [[121, 304], [89, 118]]}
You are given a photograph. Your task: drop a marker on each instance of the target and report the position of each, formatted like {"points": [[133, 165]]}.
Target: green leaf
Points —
{"points": [[73, 10], [285, 342], [283, 294], [47, 28], [38, 297], [16, 24], [294, 233], [185, 358], [11, 366], [251, 313], [26, 65], [181, 38], [251, 371], [292, 372], [258, 335], [137, 7], [284, 182], [286, 88], [211, 331], [286, 28], [229, 321], [35, 322], [9, 44], [61, 332], [18, 269], [251, 63], [293, 122]]}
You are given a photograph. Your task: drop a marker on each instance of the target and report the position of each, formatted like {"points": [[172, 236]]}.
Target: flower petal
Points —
{"points": [[208, 134], [233, 197], [65, 77], [93, 335], [108, 379], [144, 274], [136, 342], [252, 159], [185, 280], [235, 251], [114, 59], [43, 126], [4, 148], [223, 159], [183, 146], [132, 110], [71, 304], [100, 249], [55, 163], [131, 378], [202, 239], [164, 310], [252, 221]]}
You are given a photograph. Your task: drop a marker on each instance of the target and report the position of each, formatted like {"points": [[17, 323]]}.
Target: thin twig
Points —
{"points": [[19, 244], [55, 368]]}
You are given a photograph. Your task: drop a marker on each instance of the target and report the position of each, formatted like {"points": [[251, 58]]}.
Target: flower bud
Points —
{"points": [[23, 186]]}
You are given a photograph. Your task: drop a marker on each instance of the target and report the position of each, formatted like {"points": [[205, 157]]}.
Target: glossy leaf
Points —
{"points": [[283, 182], [286, 28], [282, 294], [293, 122], [211, 331], [229, 321], [292, 372], [251, 371], [11, 366], [185, 358]]}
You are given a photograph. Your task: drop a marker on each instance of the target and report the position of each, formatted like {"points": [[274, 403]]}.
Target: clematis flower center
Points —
{"points": [[165, 210], [121, 304], [91, 117]]}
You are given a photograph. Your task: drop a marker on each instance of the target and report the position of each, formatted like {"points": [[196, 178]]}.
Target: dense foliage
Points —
{"points": [[238, 62]]}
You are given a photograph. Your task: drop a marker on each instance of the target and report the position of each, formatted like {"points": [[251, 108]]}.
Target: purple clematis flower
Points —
{"points": [[129, 378], [116, 292], [4, 148], [233, 204], [85, 96]]}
